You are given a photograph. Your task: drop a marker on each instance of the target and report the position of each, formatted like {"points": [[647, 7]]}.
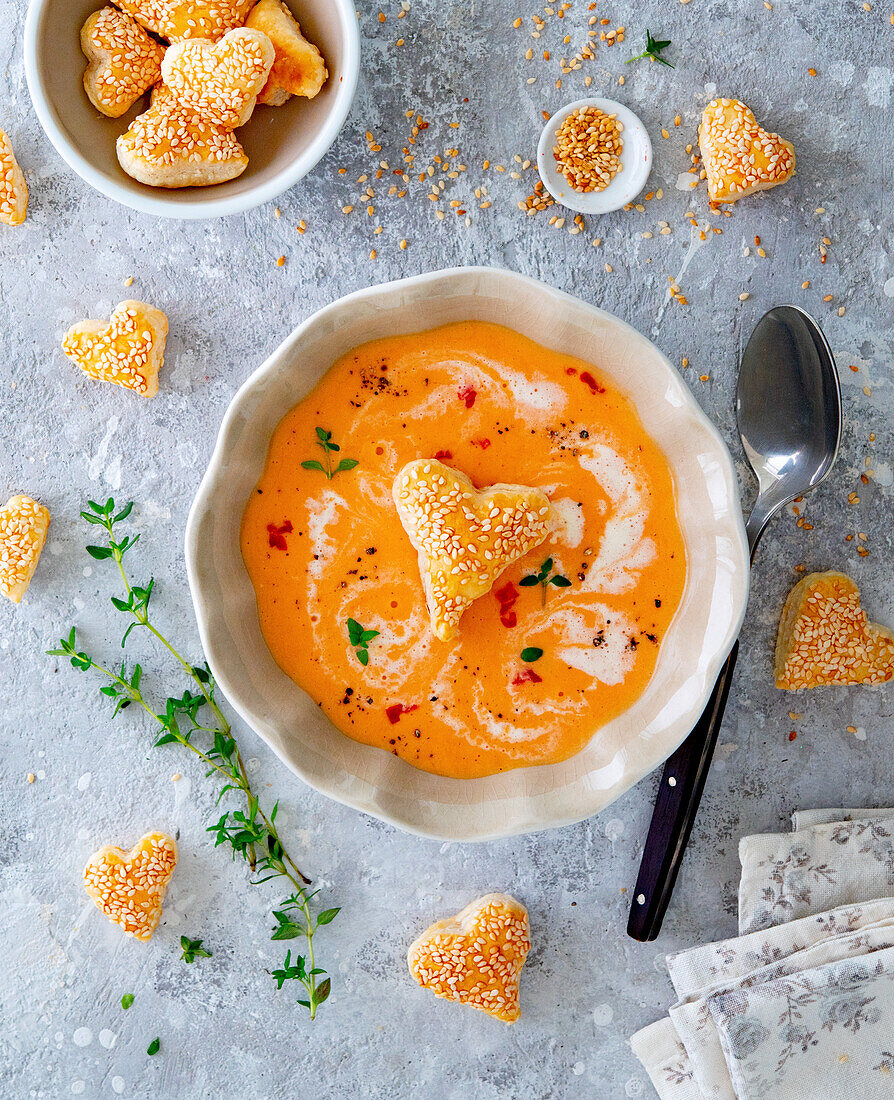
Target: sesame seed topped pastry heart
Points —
{"points": [[299, 68], [740, 157], [129, 887], [826, 640], [23, 531], [180, 19], [219, 81], [128, 350], [170, 146], [477, 956], [13, 189], [465, 537], [125, 61]]}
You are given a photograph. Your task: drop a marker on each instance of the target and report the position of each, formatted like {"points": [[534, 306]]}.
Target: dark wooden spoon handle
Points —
{"points": [[676, 805]]}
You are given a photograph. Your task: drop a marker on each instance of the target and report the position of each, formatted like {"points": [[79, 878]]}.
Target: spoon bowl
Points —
{"points": [[788, 408]]}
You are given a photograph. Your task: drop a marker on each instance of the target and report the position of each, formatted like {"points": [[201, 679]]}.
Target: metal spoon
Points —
{"points": [[788, 407]]}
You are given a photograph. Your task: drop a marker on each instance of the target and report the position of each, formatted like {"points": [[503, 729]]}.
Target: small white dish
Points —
{"points": [[283, 143], [636, 161], [375, 781]]}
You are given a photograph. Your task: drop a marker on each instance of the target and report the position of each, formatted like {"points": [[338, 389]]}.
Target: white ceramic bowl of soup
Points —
{"points": [[692, 651], [282, 143]]}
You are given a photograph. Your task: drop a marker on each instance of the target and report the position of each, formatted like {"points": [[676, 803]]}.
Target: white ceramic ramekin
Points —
{"points": [[283, 143]]}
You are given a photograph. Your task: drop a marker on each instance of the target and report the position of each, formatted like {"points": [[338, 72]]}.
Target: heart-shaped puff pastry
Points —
{"points": [[219, 81], [170, 146], [465, 537], [128, 351], [13, 189], [23, 531], [299, 68], [124, 61], [129, 887], [740, 157], [477, 956], [825, 638], [179, 19]]}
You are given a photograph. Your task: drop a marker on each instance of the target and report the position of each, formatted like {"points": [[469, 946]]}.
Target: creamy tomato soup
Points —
{"points": [[320, 552]]}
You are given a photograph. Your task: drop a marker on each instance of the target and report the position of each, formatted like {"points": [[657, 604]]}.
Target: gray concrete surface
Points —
{"points": [[225, 1031]]}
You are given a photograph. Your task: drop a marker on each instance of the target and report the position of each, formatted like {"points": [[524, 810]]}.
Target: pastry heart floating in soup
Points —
{"points": [[557, 632]]}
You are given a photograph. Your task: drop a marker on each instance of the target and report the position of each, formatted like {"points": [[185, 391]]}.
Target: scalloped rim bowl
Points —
{"points": [[370, 779], [283, 143]]}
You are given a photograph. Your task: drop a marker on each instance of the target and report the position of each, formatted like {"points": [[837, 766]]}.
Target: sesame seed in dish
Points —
{"points": [[477, 956], [825, 638], [588, 149]]}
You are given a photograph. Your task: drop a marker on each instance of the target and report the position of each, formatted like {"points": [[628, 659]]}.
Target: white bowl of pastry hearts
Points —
{"points": [[695, 643], [282, 143]]}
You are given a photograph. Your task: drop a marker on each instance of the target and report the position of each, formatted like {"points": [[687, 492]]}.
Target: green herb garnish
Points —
{"points": [[652, 51], [154, 1047], [324, 440], [543, 578], [196, 722], [192, 950], [531, 653], [360, 639]]}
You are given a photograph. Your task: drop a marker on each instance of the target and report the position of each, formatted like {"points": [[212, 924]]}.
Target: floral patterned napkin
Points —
{"points": [[711, 1048], [696, 1020], [789, 875], [825, 1032]]}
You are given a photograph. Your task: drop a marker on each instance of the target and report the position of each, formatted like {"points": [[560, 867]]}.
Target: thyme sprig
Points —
{"points": [[196, 722], [653, 51], [324, 440], [543, 578]]}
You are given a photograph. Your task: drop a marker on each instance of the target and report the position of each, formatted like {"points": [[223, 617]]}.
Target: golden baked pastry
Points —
{"points": [[739, 156], [169, 146], [13, 189], [23, 531], [825, 638], [465, 538], [219, 81], [129, 887], [299, 68], [179, 19], [128, 350], [477, 956], [124, 61]]}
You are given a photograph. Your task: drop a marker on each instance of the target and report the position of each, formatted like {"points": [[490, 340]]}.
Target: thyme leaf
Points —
{"points": [[652, 51], [192, 950]]}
